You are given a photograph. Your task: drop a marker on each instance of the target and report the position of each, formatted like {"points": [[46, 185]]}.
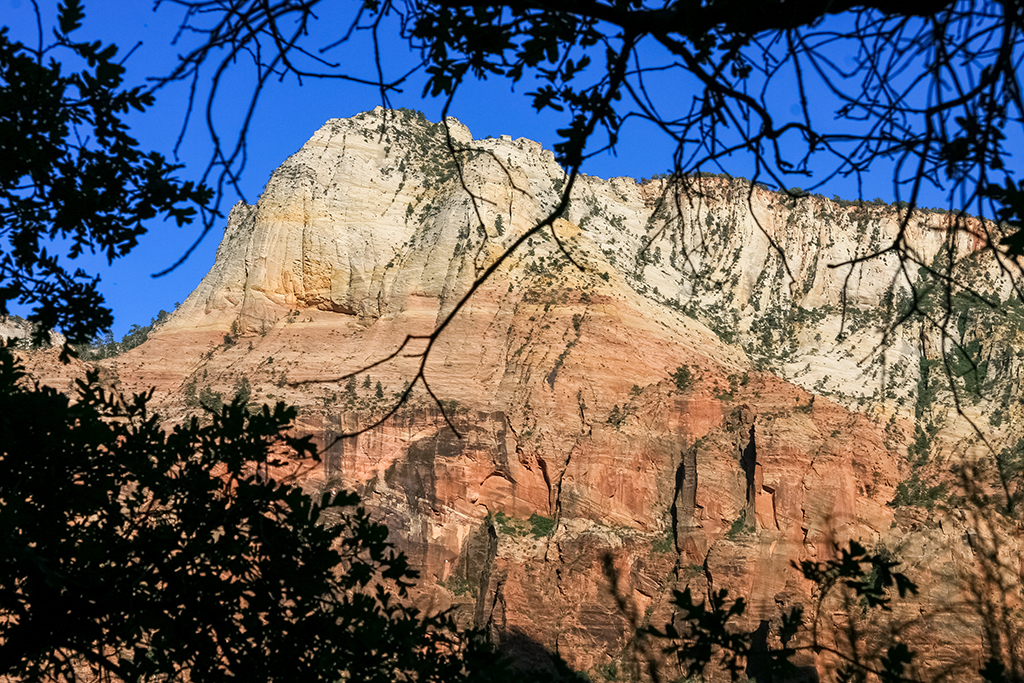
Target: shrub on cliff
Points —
{"points": [[683, 378]]}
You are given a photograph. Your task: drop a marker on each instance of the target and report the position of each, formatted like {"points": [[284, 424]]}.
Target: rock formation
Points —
{"points": [[686, 402]]}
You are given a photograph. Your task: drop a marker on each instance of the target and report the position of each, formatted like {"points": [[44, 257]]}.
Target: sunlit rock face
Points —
{"points": [[695, 399]]}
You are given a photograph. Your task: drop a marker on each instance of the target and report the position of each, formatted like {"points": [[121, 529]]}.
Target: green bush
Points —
{"points": [[692, 570], [610, 671], [541, 526], [210, 399], [739, 527], [458, 585], [510, 526], [665, 544], [683, 378], [537, 525], [918, 493], [617, 416]]}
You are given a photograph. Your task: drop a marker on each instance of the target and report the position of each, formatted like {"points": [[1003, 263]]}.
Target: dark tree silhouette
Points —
{"points": [[139, 554], [72, 174], [129, 552]]}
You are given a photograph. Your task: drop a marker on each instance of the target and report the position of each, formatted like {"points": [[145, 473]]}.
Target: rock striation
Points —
{"points": [[684, 402]]}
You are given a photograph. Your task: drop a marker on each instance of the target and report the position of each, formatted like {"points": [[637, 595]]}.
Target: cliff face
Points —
{"points": [[680, 409]]}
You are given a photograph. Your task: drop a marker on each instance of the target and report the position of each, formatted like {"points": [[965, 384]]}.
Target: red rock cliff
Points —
{"points": [[623, 427]]}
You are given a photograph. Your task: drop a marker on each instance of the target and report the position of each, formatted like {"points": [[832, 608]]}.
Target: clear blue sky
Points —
{"points": [[286, 118]]}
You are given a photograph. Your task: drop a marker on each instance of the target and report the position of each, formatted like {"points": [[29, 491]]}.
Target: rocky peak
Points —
{"points": [[689, 406]]}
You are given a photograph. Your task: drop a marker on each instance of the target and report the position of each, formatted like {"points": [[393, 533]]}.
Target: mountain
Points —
{"points": [[695, 398]]}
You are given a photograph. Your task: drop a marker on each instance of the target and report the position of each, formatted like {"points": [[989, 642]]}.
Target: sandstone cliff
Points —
{"points": [[689, 406]]}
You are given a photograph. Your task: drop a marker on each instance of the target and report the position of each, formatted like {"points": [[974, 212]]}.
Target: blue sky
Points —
{"points": [[286, 117]]}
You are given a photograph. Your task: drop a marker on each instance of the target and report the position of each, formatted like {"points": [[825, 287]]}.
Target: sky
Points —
{"points": [[286, 117]]}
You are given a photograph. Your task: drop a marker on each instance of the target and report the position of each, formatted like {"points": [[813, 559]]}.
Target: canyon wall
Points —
{"points": [[669, 387]]}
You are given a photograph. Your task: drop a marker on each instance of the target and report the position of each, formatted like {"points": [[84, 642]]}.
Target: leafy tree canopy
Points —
{"points": [[73, 180], [133, 552]]}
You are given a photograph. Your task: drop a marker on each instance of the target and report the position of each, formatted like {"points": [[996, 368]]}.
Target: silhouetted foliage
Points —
{"points": [[704, 637], [71, 172], [142, 554]]}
